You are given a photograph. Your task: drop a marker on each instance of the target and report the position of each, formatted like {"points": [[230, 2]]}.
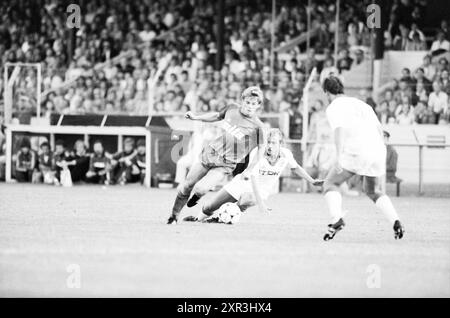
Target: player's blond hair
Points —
{"points": [[275, 132]]}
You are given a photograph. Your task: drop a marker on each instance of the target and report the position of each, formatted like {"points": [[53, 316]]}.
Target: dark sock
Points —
{"points": [[179, 203], [193, 200]]}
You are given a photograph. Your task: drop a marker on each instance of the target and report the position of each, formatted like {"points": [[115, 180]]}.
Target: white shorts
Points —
{"points": [[371, 166], [238, 186]]}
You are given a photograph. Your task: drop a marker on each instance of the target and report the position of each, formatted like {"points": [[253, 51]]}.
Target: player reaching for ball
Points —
{"points": [[242, 132], [358, 137], [256, 183]]}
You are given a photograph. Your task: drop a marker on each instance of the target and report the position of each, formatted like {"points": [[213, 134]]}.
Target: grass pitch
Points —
{"points": [[118, 239]]}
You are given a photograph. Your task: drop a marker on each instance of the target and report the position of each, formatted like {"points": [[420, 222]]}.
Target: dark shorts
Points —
{"points": [[210, 159]]}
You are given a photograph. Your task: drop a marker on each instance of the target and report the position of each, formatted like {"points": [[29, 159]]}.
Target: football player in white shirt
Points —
{"points": [[258, 181], [358, 137]]}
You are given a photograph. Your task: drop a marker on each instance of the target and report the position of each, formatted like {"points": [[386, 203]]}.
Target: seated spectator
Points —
{"points": [[415, 30], [445, 79], [382, 112], [445, 29], [25, 161], [440, 45], [400, 42], [328, 69], [404, 90], [344, 62], [121, 164], [421, 93], [405, 112], [420, 78], [415, 43], [423, 114], [99, 167], [429, 70], [391, 115], [438, 101]]}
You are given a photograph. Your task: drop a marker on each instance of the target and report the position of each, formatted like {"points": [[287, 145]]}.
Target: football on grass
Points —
{"points": [[229, 213]]}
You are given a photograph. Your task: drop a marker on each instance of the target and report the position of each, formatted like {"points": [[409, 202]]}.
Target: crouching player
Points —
{"points": [[242, 131], [99, 166], [259, 180]]}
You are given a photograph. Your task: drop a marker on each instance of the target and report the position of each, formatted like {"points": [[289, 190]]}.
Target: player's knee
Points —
{"points": [[374, 195], [200, 190], [208, 209], [185, 188], [330, 186], [245, 201]]}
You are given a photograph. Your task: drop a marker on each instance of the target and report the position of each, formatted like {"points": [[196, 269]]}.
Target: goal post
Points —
{"points": [[18, 85]]}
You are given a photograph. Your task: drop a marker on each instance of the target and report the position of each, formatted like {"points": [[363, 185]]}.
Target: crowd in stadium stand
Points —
{"points": [[420, 97], [190, 80], [36, 32]]}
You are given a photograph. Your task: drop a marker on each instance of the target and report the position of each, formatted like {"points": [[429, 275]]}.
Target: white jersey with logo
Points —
{"points": [[364, 151], [266, 175]]}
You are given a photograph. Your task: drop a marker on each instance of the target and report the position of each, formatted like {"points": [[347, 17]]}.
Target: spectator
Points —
{"points": [[344, 62], [415, 43], [422, 113], [382, 112], [440, 45], [438, 101], [400, 42], [428, 68], [405, 112]]}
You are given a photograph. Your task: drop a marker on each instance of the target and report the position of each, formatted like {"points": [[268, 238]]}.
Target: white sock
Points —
{"points": [[334, 202], [386, 207], [201, 216]]}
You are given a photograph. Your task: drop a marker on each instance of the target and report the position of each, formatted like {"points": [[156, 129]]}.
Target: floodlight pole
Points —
{"points": [[272, 44], [336, 33], [308, 23]]}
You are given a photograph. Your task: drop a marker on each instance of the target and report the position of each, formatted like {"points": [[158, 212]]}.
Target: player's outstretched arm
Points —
{"points": [[208, 117], [298, 170]]}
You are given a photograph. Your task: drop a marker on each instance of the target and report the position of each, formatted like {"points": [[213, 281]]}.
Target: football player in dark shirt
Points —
{"points": [[25, 162], [122, 164], [47, 164], [242, 131], [139, 160], [98, 165]]}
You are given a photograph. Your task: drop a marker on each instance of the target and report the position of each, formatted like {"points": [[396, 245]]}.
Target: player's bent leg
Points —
{"points": [[333, 199], [212, 205], [246, 201], [333, 196], [210, 180], [384, 204], [197, 172]]}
